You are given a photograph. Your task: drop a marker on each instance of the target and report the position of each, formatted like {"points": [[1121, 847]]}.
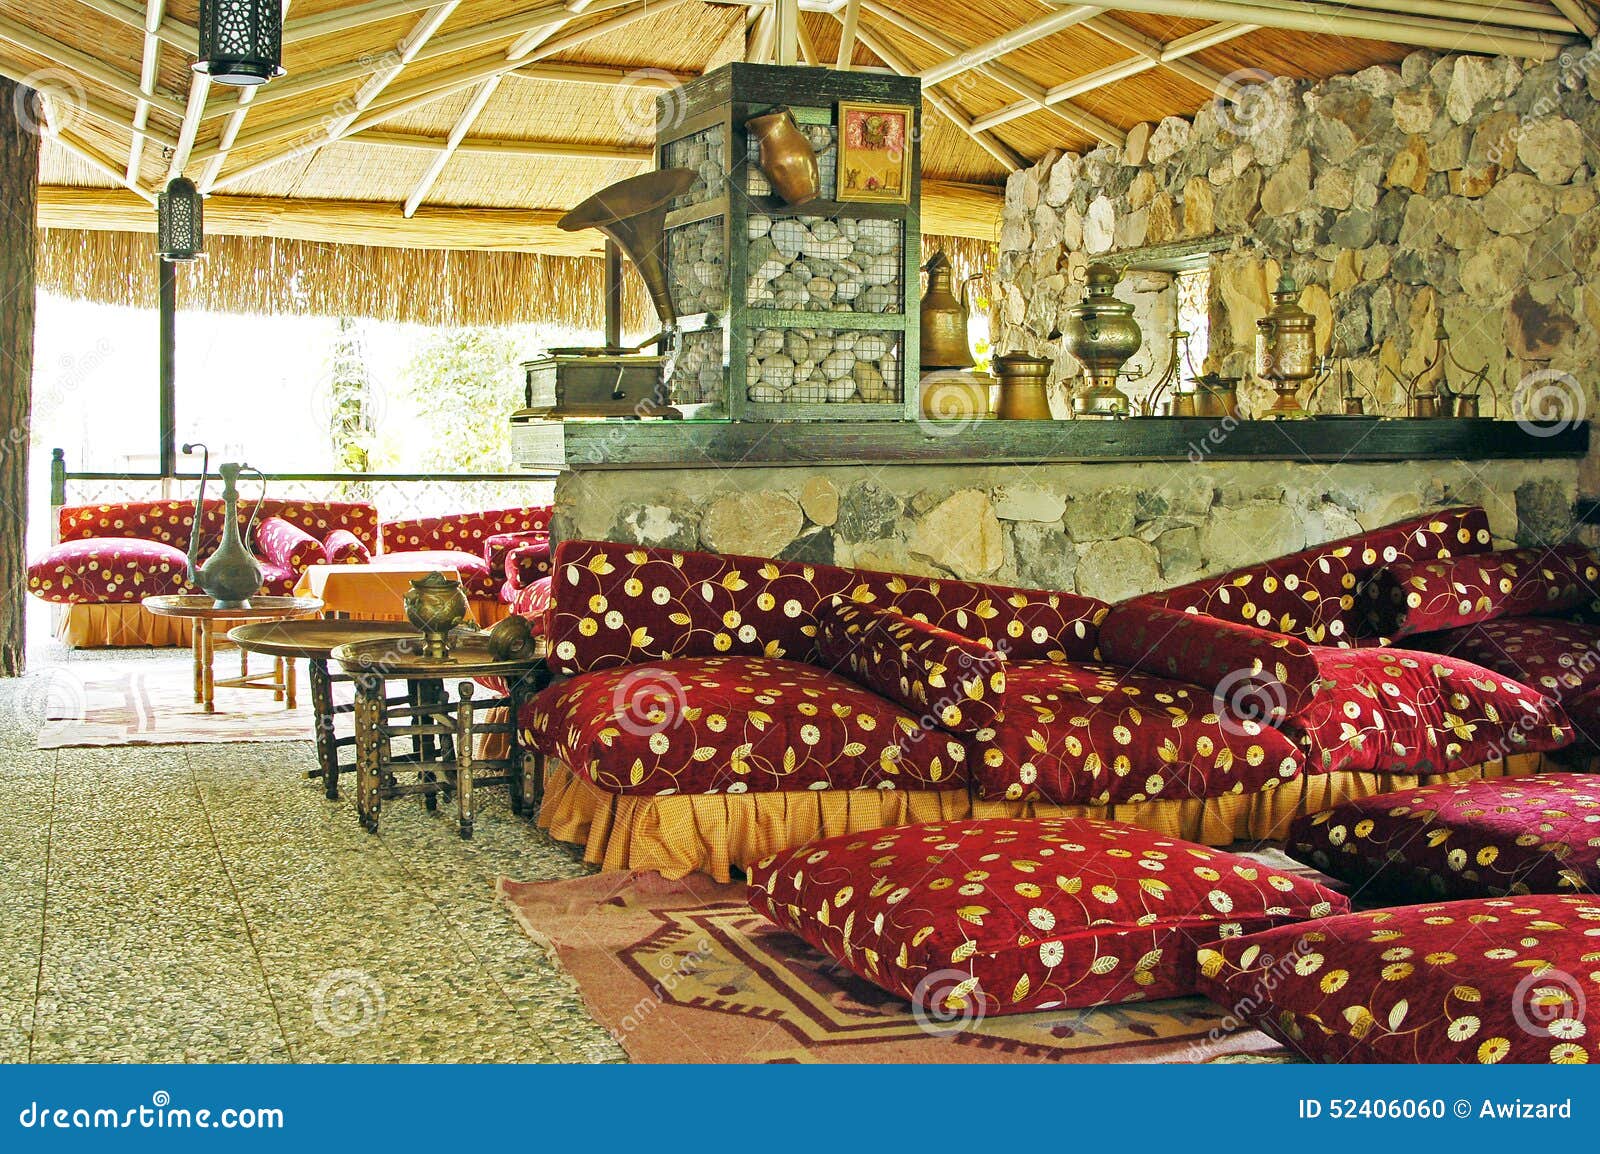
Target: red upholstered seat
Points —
{"points": [[1097, 735], [476, 576], [737, 725], [108, 570], [1558, 658], [1407, 711], [1481, 981], [1488, 838], [975, 918]]}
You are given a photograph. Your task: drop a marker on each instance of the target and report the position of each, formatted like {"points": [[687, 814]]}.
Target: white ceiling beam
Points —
{"points": [[335, 20], [199, 89], [786, 32], [510, 149], [1111, 74], [86, 66], [947, 108], [1329, 19], [155, 11], [167, 30], [1133, 40], [808, 47], [847, 34], [758, 47], [91, 156], [1033, 30], [1510, 13]]}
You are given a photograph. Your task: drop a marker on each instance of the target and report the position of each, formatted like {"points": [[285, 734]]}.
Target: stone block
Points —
{"points": [[758, 524], [1118, 569], [1106, 513]]}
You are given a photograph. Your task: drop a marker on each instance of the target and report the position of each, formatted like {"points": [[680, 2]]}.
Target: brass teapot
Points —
{"points": [[945, 343], [231, 575], [436, 604]]}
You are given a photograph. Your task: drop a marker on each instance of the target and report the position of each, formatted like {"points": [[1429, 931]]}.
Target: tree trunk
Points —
{"points": [[19, 194]]}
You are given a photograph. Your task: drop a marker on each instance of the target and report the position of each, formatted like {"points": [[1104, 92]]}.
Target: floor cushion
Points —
{"points": [[999, 916], [1097, 735], [1406, 711], [476, 577], [735, 725], [1480, 981], [1584, 713], [108, 570], [1431, 596], [1560, 659], [1489, 838]]}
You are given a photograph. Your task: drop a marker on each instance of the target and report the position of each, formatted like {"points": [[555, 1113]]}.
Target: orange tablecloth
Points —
{"points": [[368, 592]]}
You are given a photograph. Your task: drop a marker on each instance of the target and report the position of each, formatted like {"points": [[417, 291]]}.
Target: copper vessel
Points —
{"points": [[1216, 397], [633, 212], [786, 156], [231, 575], [1102, 334], [945, 343], [1021, 386], [436, 604], [1286, 348]]}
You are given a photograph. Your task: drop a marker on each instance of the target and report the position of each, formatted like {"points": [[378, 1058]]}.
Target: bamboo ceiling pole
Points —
{"points": [[166, 29], [155, 11], [1044, 26], [847, 34], [86, 65]]}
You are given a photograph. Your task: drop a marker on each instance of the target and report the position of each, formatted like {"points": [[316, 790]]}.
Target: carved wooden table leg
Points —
{"points": [[464, 767], [208, 690], [286, 679], [369, 770], [197, 641], [322, 727]]}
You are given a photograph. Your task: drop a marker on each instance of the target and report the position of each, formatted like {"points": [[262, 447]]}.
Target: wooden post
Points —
{"points": [[167, 384], [19, 192], [613, 283]]}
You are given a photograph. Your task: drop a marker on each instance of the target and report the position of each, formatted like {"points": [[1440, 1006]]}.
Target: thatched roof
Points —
{"points": [[473, 123]]}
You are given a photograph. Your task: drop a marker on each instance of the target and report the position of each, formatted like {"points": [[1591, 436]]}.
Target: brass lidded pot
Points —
{"points": [[944, 318], [436, 604], [1022, 378], [1286, 348], [1102, 334]]}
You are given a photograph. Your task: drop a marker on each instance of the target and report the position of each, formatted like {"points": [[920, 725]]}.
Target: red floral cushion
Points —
{"points": [[532, 602], [345, 548], [737, 725], [515, 556], [1255, 673], [1429, 596], [476, 578], [976, 918], [1584, 713], [108, 570], [464, 532], [318, 518], [1559, 658], [1489, 838], [166, 522], [1095, 735], [1481, 981], [620, 604], [1312, 594], [942, 677], [278, 580], [1412, 712], [288, 545]]}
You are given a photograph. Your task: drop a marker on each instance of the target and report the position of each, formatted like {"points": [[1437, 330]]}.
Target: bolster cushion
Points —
{"points": [[287, 545], [345, 548], [1428, 596]]}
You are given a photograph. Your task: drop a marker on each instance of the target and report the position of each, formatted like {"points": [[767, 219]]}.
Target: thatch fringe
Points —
{"points": [[272, 277]]}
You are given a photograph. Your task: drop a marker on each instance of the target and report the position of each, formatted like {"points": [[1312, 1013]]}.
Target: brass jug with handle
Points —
{"points": [[231, 575], [945, 341]]}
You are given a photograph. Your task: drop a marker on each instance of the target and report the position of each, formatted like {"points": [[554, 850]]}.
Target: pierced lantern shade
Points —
{"points": [[180, 231], [241, 41]]}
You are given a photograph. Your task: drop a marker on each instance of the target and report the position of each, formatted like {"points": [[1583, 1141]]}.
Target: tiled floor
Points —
{"points": [[207, 903]]}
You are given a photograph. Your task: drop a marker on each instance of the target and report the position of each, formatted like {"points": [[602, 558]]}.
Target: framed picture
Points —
{"points": [[875, 152]]}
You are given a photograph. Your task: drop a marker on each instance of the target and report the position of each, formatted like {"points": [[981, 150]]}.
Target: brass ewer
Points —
{"points": [[1103, 335], [1286, 349], [231, 575], [945, 343], [436, 604]]}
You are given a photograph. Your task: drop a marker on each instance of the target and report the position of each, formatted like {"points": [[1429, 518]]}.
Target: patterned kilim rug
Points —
{"points": [[684, 972], [152, 703]]}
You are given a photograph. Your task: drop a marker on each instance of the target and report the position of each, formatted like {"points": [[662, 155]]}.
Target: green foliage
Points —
{"points": [[464, 384], [351, 422]]}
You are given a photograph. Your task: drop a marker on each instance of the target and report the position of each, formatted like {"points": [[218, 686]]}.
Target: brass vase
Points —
{"points": [[943, 325], [231, 575], [1022, 379], [786, 156], [1102, 334], [436, 604]]}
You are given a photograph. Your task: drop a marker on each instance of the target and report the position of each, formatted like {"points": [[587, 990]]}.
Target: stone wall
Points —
{"points": [[1107, 530], [1459, 188]]}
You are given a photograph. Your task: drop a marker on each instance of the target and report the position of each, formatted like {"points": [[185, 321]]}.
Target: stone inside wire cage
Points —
{"points": [[824, 366], [706, 152], [697, 267], [814, 263], [698, 375]]}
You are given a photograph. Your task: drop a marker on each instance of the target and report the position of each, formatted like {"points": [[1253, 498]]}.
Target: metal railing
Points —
{"points": [[397, 495]]}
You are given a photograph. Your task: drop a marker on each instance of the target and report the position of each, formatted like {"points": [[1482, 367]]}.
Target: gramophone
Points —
{"points": [[615, 381]]}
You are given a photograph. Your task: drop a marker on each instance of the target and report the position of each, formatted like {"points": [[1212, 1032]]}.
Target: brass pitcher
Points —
{"points": [[436, 604], [786, 156], [1022, 380], [945, 344], [231, 575]]}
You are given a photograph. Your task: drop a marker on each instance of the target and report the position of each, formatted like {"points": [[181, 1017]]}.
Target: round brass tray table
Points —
{"points": [[203, 611]]}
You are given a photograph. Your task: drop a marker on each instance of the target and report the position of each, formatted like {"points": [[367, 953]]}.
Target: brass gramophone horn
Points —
{"points": [[633, 213]]}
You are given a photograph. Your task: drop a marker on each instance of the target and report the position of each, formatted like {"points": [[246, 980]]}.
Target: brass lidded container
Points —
{"points": [[1286, 348], [1022, 378], [1102, 334], [436, 604], [943, 318]]}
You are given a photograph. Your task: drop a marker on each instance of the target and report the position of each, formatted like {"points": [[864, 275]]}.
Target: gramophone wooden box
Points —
{"points": [[595, 383]]}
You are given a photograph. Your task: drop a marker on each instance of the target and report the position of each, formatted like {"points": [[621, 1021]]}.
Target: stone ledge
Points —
{"points": [[605, 445]]}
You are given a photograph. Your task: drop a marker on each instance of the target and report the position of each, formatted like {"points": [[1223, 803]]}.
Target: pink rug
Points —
{"points": [[684, 972]]}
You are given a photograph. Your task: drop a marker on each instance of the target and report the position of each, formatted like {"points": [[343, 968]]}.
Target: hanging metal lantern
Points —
{"points": [[241, 41], [180, 229]]}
